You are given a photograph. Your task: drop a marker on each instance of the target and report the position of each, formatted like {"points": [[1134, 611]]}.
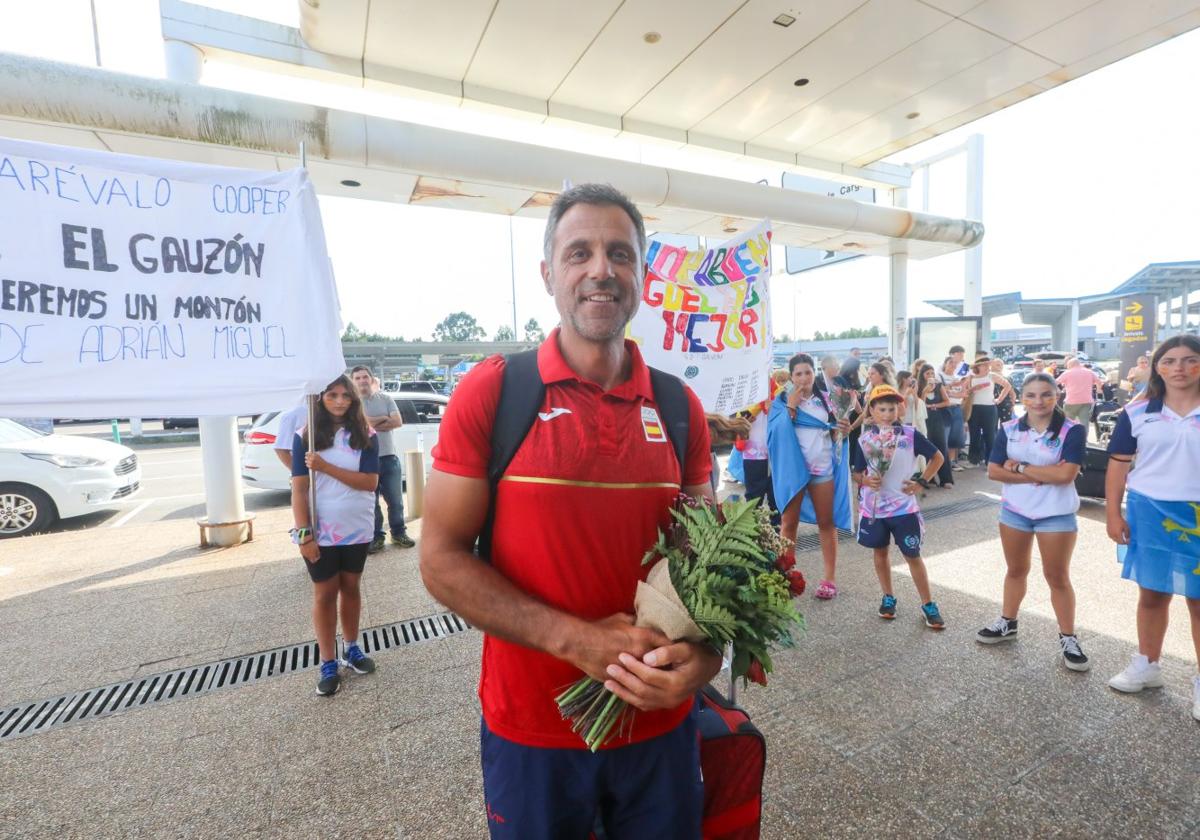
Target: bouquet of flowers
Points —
{"points": [[722, 575], [880, 449], [843, 401]]}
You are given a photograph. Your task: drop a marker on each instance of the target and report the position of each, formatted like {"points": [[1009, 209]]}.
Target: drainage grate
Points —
{"points": [[812, 542], [41, 715]]}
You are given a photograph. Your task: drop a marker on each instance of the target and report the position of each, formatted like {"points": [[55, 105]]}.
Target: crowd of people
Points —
{"points": [[539, 544], [905, 432]]}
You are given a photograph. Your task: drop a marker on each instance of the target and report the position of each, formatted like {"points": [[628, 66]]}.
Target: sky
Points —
{"points": [[1084, 185]]}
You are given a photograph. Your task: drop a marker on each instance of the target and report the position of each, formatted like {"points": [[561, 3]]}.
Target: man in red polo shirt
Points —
{"points": [[575, 511]]}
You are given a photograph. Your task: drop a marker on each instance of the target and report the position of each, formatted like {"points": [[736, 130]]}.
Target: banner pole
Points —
{"points": [[311, 399]]}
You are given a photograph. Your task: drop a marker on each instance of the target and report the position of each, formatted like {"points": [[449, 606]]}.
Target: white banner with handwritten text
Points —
{"points": [[140, 287]]}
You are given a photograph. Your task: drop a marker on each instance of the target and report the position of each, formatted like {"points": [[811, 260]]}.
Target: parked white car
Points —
{"points": [[47, 477], [421, 413]]}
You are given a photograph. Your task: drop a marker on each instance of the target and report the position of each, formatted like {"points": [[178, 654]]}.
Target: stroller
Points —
{"points": [[1105, 411]]}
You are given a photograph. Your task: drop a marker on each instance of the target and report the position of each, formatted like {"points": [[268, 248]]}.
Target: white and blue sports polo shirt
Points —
{"points": [[1018, 442], [1167, 446]]}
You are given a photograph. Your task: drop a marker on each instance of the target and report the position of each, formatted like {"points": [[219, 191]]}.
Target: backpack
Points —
{"points": [[521, 394]]}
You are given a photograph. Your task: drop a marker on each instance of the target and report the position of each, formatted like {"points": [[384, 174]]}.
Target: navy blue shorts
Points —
{"points": [[908, 530], [650, 790]]}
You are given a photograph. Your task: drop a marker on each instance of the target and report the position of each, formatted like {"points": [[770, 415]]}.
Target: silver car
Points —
{"points": [[421, 413]]}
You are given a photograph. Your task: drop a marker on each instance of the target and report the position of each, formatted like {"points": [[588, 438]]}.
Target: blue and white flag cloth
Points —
{"points": [[1164, 545], [737, 466], [789, 470]]}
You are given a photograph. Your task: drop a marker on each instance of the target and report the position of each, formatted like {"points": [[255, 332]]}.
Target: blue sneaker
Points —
{"points": [[887, 608], [357, 661], [933, 618], [329, 681]]}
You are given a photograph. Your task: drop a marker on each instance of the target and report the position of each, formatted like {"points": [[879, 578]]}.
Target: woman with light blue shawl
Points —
{"points": [[809, 474]]}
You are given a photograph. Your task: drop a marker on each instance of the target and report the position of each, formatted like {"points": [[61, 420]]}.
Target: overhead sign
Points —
{"points": [[132, 286], [806, 259], [705, 316], [1137, 328]]}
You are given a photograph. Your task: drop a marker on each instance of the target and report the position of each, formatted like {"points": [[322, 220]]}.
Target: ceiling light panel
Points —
{"points": [[619, 67], [856, 44], [742, 50]]}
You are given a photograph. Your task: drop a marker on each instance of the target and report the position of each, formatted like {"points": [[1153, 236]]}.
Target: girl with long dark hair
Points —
{"points": [[1157, 530], [933, 392], [346, 468], [806, 464], [1036, 458]]}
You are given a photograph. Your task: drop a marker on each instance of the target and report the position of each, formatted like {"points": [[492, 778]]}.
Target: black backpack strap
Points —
{"points": [[521, 394], [672, 403]]}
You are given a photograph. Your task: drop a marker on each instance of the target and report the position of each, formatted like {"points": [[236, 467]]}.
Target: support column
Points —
{"points": [[223, 500], [1064, 332], [973, 274], [898, 297], [184, 61]]}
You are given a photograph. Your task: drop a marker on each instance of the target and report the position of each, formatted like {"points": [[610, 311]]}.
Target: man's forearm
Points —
{"points": [[489, 601], [384, 423]]}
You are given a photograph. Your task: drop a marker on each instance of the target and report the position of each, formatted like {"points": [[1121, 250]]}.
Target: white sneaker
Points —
{"points": [[1196, 698], [1141, 673]]}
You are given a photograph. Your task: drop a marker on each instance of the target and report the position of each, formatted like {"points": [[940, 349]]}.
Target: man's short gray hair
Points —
{"points": [[599, 195]]}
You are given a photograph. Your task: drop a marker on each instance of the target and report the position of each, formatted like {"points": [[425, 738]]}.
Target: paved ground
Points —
{"points": [[873, 729]]}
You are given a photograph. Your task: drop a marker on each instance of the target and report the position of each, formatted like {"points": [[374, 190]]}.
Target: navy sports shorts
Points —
{"points": [[337, 558], [908, 530], [650, 790]]}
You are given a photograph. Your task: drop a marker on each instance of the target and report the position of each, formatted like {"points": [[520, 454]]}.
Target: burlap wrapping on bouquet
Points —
{"points": [[659, 607]]}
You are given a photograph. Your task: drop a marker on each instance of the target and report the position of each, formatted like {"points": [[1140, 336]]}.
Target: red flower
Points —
{"points": [[786, 561], [795, 582], [755, 673]]}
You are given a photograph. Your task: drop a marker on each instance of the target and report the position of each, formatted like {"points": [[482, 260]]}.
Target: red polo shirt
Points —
{"points": [[578, 507]]}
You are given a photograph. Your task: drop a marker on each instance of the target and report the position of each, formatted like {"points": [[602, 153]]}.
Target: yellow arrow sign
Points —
{"points": [[1134, 307]]}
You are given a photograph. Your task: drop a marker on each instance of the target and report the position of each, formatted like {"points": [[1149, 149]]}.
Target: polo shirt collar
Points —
{"points": [[552, 367]]}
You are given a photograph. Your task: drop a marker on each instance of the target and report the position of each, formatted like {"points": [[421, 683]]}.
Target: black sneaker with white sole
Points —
{"points": [[1001, 630], [1072, 654], [329, 681], [357, 661]]}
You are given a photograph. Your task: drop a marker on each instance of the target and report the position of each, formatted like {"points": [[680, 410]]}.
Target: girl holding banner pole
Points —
{"points": [[809, 470], [344, 458], [1159, 532]]}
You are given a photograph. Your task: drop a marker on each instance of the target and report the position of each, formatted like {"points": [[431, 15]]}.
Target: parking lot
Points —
{"points": [[172, 488]]}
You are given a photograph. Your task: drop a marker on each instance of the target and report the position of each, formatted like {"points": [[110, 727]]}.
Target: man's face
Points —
{"points": [[362, 381], [958, 356], [595, 271], [1039, 366]]}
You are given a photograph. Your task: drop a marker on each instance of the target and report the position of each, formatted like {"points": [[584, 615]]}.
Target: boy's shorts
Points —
{"points": [[907, 529]]}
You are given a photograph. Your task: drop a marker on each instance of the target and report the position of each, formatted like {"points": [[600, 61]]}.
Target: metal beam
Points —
{"points": [[48, 92]]}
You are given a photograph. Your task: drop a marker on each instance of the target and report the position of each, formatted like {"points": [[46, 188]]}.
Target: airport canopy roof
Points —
{"points": [[1167, 280], [719, 75], [877, 76]]}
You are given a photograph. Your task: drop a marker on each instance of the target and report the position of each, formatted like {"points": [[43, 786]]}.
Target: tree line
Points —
{"points": [[457, 326]]}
